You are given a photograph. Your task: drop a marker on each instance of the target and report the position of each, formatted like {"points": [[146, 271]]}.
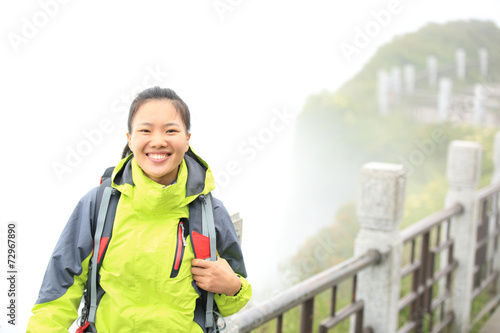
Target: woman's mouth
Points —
{"points": [[158, 157]]}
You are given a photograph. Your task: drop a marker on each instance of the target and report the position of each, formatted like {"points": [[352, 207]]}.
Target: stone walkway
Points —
{"points": [[493, 324]]}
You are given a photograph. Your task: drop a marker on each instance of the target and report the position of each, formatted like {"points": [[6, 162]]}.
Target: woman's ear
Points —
{"points": [[129, 137], [187, 142]]}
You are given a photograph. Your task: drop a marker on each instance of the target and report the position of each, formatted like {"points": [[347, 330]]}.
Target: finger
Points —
{"points": [[201, 271], [196, 271], [200, 263], [197, 278]]}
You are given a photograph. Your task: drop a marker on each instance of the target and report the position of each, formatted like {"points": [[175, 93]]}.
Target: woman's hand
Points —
{"points": [[215, 276]]}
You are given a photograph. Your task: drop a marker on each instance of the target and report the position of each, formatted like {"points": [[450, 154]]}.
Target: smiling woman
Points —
{"points": [[150, 279]]}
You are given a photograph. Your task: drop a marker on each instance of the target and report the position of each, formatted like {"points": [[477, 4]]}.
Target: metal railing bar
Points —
{"points": [[358, 321], [333, 307], [484, 284], [481, 243], [407, 300], [354, 288], [448, 319], [306, 316], [443, 246], [427, 272], [485, 310], [487, 239], [417, 304], [421, 289], [445, 271], [487, 191], [408, 269], [413, 295], [408, 327], [254, 317], [279, 324], [437, 302], [438, 238], [427, 223], [413, 241], [342, 315]]}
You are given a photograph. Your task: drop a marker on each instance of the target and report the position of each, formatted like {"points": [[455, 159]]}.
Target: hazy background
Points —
{"points": [[243, 67]]}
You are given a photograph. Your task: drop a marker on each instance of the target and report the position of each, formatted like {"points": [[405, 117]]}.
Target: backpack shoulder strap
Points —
{"points": [[105, 182], [208, 230], [203, 240], [102, 227], [101, 219], [208, 225]]}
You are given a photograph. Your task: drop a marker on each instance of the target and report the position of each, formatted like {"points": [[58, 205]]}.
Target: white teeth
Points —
{"points": [[157, 156]]}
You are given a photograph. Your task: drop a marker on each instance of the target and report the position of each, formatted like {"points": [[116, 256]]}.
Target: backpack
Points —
{"points": [[102, 227]]}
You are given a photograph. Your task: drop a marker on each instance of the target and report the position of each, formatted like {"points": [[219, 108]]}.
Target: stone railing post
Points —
{"points": [[496, 159], [460, 63], [383, 91], [380, 209], [409, 77], [432, 69], [483, 62], [463, 173], [480, 98], [396, 86], [238, 225], [494, 180], [444, 98]]}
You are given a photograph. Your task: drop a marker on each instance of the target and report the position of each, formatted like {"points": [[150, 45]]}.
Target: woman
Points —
{"points": [[159, 180]]}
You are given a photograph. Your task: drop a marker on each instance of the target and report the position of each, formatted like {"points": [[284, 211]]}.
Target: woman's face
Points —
{"points": [[158, 140]]}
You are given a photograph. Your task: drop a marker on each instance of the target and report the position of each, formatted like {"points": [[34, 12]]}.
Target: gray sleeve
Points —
{"points": [[227, 240]]}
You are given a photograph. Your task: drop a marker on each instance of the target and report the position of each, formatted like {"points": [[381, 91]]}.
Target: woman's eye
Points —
{"points": [[171, 131], [144, 130]]}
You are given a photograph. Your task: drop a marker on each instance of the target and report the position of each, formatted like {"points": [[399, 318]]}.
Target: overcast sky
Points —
{"points": [[244, 67]]}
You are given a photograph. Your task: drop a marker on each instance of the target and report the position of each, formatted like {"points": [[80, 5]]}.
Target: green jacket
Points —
{"points": [[136, 273]]}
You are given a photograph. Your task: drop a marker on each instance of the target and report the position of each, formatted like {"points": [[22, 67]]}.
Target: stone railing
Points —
{"points": [[431, 90], [424, 278]]}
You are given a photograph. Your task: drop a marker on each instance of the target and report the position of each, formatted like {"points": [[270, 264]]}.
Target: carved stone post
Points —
{"points": [[380, 209], [444, 98], [463, 173], [238, 225], [494, 180], [396, 82], [460, 62], [409, 75], [496, 160], [432, 70], [480, 97], [383, 91], [483, 62]]}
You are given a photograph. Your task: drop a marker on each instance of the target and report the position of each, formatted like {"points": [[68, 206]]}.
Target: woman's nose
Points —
{"points": [[158, 140]]}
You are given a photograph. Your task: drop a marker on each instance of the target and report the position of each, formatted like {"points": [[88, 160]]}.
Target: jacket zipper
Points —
{"points": [[203, 199], [179, 252], [182, 234]]}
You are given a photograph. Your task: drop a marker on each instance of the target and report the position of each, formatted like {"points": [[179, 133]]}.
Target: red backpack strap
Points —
{"points": [[82, 328]]}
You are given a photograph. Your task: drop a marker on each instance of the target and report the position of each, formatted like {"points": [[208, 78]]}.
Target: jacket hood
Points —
{"points": [[199, 176]]}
